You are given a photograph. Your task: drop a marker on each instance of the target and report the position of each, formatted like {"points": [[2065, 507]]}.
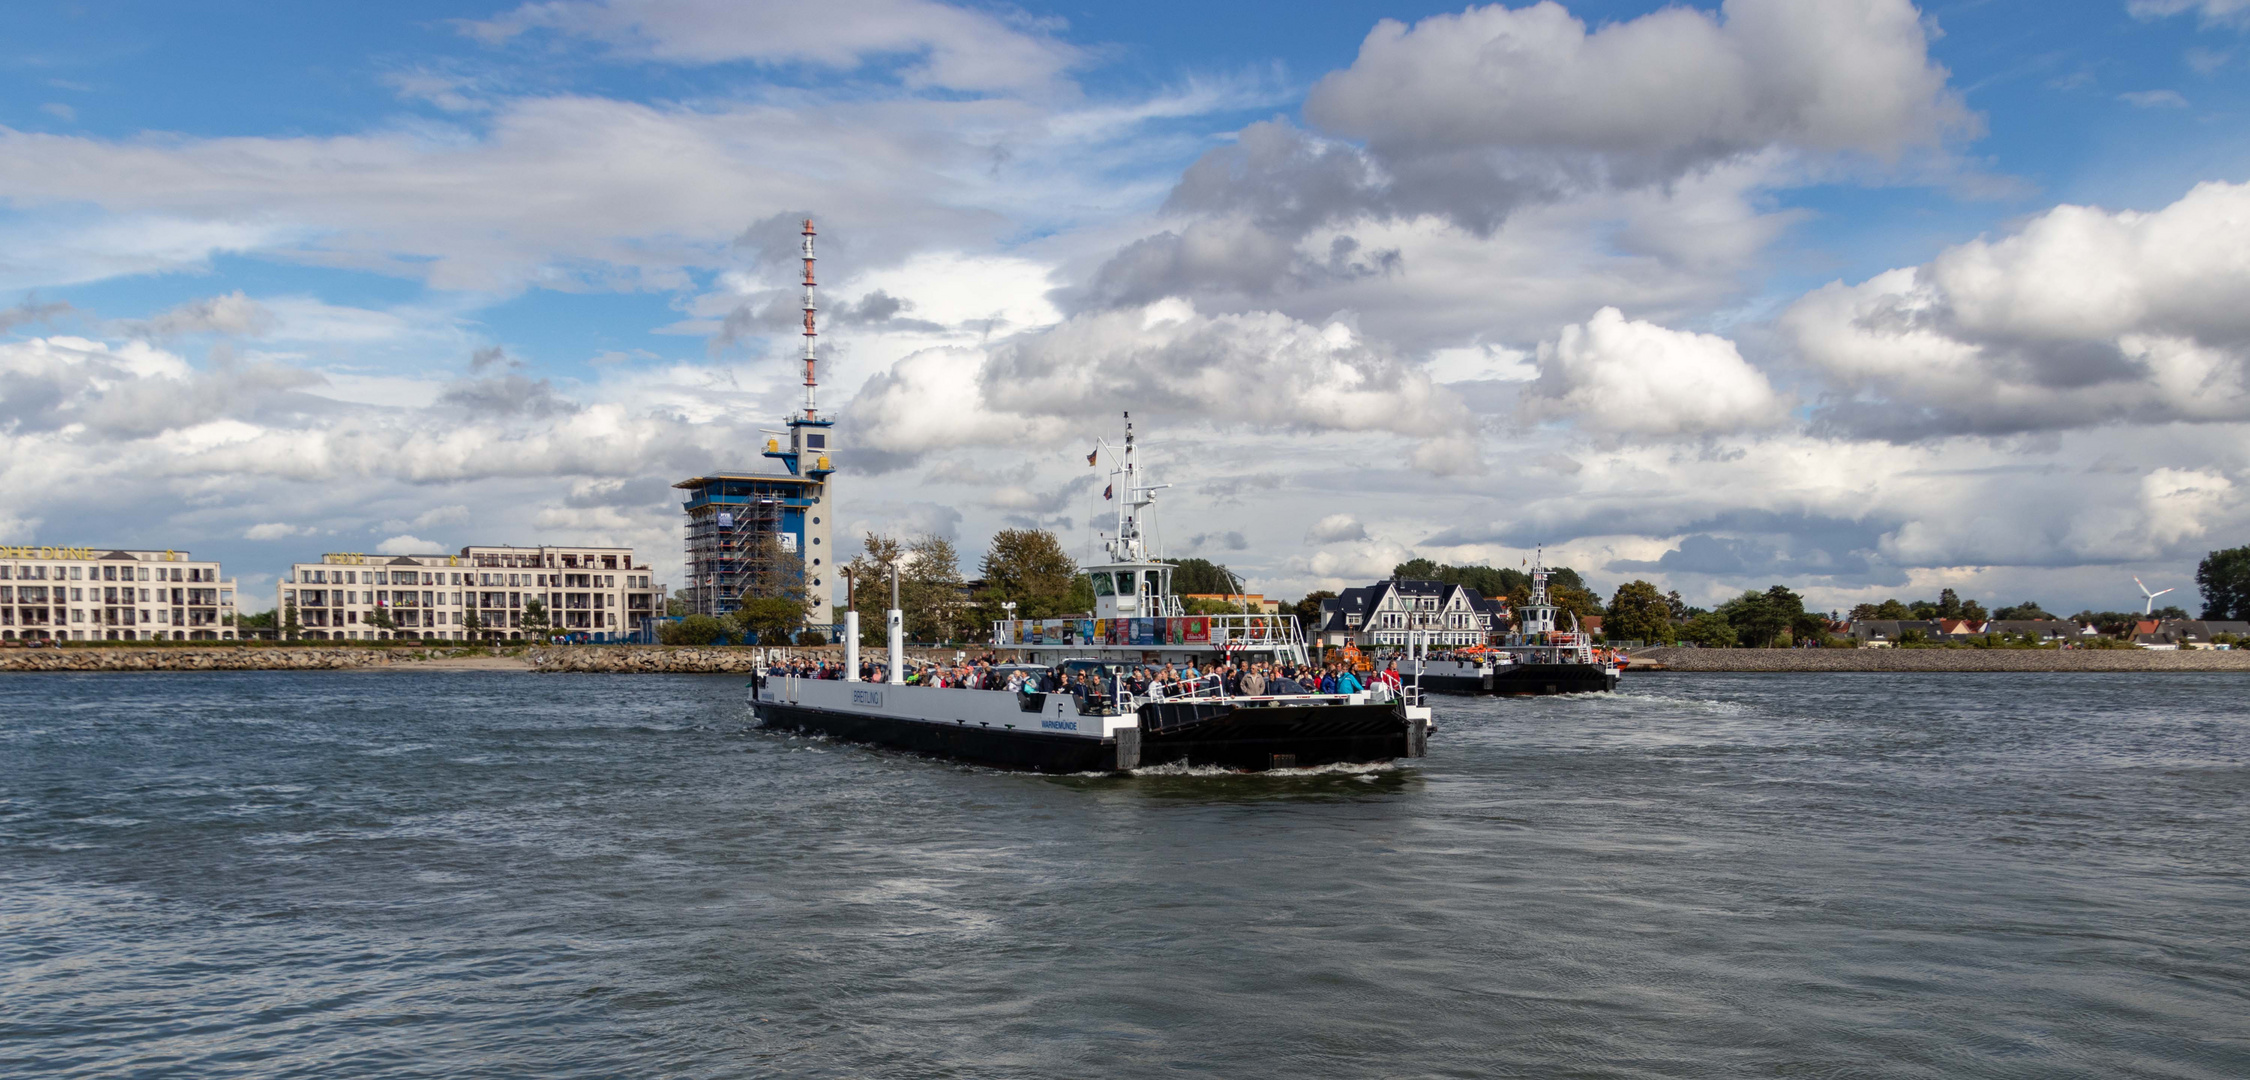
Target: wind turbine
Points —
{"points": [[2150, 607]]}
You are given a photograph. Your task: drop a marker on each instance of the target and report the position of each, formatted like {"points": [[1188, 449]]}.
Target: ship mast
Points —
{"points": [[811, 334], [1130, 544]]}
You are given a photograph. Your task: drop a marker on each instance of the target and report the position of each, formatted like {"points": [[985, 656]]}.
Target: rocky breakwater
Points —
{"points": [[1940, 660], [215, 658], [704, 659], [642, 659]]}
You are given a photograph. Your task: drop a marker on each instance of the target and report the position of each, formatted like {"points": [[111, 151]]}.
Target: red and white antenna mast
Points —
{"points": [[810, 333]]}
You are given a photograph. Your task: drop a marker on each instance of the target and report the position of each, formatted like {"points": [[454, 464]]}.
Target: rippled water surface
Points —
{"points": [[384, 874]]}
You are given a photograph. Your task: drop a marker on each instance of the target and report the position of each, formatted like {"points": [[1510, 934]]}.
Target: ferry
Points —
{"points": [[1136, 622], [1537, 659]]}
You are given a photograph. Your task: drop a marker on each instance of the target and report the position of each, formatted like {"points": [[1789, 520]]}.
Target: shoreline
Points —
{"points": [[706, 660], [1937, 660]]}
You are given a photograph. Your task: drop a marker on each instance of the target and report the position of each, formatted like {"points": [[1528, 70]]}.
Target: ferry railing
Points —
{"points": [[1251, 630]]}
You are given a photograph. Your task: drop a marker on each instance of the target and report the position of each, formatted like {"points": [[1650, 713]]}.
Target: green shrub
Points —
{"points": [[693, 630]]}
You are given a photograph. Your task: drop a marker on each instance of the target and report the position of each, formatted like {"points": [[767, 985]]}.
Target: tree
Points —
{"points": [[471, 625], [2029, 609], [691, 630], [1201, 606], [1200, 576], [773, 619], [871, 583], [289, 627], [930, 589], [1417, 570], [1307, 611], [1710, 630], [681, 602], [262, 620], [1759, 618], [1888, 609], [534, 618], [1638, 613], [1572, 600], [1948, 605], [2223, 577], [380, 619], [1029, 568]]}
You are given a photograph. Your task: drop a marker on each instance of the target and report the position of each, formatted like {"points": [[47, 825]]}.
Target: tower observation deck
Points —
{"points": [[739, 522]]}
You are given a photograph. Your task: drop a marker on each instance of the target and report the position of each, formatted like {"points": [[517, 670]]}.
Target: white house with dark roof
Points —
{"points": [[1386, 612]]}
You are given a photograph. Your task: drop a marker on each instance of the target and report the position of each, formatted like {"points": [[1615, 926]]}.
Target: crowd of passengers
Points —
{"points": [[1145, 680]]}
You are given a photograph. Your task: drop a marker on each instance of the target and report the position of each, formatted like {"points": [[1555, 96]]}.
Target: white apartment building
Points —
{"points": [[598, 592], [97, 594]]}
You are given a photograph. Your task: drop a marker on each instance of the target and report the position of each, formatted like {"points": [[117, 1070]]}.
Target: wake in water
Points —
{"points": [[1344, 768]]}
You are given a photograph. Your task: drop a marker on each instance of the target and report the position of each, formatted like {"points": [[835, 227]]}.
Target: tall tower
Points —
{"points": [[808, 456]]}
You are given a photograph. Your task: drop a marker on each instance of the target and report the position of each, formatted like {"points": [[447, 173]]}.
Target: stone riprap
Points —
{"points": [[215, 658], [691, 659], [1940, 660], [641, 659]]}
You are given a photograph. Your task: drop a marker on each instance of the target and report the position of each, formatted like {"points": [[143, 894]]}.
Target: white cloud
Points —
{"points": [[2154, 99], [1259, 372], [2236, 12], [2082, 316], [1473, 363], [59, 111], [277, 530], [1336, 529], [1522, 100], [1622, 376], [631, 195], [233, 313], [408, 545], [958, 48], [2206, 61], [442, 516], [65, 247], [1337, 567]]}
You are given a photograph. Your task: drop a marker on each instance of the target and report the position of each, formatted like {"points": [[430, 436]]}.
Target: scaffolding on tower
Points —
{"points": [[727, 556]]}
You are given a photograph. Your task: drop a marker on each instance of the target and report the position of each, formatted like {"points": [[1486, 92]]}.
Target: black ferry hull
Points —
{"points": [[1245, 737], [1527, 680], [1264, 736], [1008, 748]]}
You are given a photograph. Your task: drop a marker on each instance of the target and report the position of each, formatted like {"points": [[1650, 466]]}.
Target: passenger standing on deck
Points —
{"points": [[1253, 683]]}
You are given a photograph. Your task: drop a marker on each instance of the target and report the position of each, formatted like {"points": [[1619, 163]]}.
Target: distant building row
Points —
{"points": [[96, 594], [602, 593], [2148, 633]]}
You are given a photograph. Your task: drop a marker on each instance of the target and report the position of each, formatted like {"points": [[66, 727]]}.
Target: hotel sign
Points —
{"points": [[81, 554]]}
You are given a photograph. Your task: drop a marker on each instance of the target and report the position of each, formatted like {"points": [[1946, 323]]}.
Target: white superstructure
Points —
{"points": [[1136, 617]]}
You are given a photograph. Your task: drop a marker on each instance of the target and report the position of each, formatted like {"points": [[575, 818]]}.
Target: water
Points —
{"points": [[484, 874]]}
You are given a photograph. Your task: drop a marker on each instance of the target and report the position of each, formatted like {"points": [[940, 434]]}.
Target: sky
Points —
{"points": [[1862, 297]]}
